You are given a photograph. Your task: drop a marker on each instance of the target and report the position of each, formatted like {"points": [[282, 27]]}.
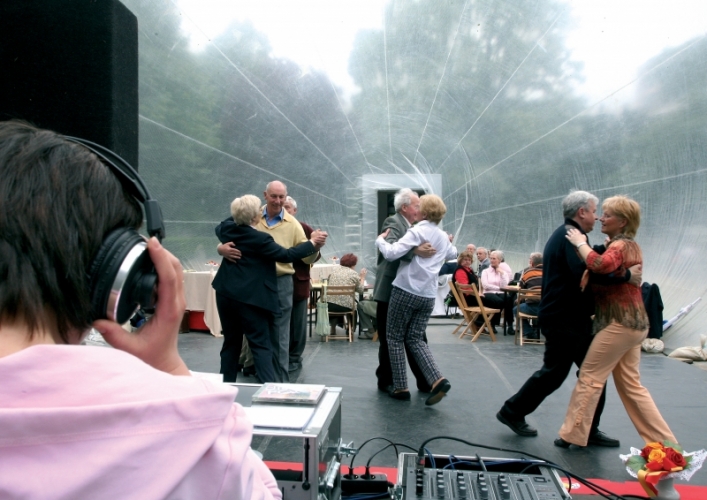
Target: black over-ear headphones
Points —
{"points": [[122, 277]]}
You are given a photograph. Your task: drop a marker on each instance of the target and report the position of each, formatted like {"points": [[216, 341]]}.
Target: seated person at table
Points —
{"points": [[367, 310], [88, 421], [482, 256], [464, 273], [492, 280], [448, 267], [531, 279], [342, 276]]}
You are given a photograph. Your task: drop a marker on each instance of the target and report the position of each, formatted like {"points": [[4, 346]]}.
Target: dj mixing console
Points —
{"points": [[476, 478]]}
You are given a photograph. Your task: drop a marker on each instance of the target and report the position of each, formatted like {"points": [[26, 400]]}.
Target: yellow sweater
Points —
{"points": [[287, 233]]}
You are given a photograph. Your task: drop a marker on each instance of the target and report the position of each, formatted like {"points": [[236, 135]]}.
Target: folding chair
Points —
{"points": [[465, 314], [474, 312], [523, 294], [349, 316]]}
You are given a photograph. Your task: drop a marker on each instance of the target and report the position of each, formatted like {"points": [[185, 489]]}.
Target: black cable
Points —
{"points": [[421, 449], [368, 464], [600, 490], [366, 496], [351, 467]]}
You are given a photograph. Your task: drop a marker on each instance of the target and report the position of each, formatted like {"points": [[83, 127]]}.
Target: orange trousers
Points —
{"points": [[615, 350]]}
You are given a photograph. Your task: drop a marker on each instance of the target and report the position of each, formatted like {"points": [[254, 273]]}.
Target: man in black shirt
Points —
{"points": [[565, 318]]}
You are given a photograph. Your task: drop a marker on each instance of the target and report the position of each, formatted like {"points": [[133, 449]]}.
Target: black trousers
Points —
{"points": [[563, 348], [238, 319], [384, 372], [499, 301]]}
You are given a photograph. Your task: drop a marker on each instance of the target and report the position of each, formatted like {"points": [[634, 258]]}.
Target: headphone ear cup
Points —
{"points": [[121, 266]]}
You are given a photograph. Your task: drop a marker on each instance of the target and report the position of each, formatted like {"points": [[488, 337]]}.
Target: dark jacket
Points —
{"points": [[471, 276], [654, 308], [386, 271], [301, 279], [253, 280], [563, 304]]}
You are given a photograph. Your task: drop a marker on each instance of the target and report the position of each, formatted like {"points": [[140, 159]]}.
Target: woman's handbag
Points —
{"points": [[322, 328]]}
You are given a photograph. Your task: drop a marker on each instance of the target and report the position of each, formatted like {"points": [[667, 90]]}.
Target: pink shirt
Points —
{"points": [[492, 280], [94, 422]]}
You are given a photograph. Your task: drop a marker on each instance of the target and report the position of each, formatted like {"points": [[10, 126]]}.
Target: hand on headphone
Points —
{"points": [[155, 342]]}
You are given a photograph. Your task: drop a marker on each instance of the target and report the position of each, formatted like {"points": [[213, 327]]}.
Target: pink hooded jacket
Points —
{"points": [[93, 422]]}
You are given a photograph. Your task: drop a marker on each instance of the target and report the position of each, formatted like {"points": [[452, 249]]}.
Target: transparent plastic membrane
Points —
{"points": [[499, 107]]}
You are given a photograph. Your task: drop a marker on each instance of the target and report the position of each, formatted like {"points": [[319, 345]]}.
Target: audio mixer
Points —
{"points": [[443, 477]]}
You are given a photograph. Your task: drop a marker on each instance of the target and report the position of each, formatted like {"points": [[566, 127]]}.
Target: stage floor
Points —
{"points": [[483, 375]]}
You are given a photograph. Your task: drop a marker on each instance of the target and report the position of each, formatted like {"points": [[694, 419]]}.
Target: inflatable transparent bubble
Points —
{"points": [[501, 108]]}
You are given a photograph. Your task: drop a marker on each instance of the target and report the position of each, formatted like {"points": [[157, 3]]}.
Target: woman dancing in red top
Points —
{"points": [[620, 325]]}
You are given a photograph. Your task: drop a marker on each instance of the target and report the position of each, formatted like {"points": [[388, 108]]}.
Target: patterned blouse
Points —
{"points": [[623, 302], [343, 275]]}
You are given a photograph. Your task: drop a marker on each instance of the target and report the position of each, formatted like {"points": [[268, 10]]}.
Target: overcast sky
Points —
{"points": [[613, 38]]}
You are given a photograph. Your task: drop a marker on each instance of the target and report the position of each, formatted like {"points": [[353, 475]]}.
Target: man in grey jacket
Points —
{"points": [[407, 208]]}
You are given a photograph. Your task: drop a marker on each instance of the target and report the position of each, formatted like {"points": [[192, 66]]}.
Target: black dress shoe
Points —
{"points": [[424, 388], [402, 395], [438, 392], [385, 388], [519, 426], [561, 443], [598, 438]]}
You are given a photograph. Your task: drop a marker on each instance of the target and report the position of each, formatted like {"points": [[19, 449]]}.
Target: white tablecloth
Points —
{"points": [[321, 271], [200, 296], [442, 291]]}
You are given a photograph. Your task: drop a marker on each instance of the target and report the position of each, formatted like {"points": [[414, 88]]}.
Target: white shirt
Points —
{"points": [[419, 276]]}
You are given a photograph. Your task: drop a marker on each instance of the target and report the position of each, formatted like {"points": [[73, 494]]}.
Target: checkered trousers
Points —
{"points": [[408, 315]]}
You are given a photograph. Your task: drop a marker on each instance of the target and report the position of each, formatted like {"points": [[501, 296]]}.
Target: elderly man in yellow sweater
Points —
{"points": [[287, 232]]}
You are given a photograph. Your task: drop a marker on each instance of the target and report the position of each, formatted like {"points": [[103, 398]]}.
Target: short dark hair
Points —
{"points": [[58, 202], [348, 260]]}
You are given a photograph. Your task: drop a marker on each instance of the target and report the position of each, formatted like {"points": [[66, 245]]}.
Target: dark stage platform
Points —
{"points": [[483, 375]]}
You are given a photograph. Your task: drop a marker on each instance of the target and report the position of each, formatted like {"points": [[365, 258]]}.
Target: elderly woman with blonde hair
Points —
{"points": [[413, 298], [620, 325], [246, 291]]}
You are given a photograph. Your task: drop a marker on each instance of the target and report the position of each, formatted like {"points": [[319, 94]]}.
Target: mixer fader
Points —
{"points": [[467, 478]]}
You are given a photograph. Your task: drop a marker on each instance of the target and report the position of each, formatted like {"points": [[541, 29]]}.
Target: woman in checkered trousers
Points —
{"points": [[413, 298]]}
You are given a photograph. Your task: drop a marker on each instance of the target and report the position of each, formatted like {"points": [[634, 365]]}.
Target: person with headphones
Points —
{"points": [[94, 422]]}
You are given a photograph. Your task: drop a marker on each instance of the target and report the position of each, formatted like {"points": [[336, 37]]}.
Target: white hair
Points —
{"points": [[403, 197]]}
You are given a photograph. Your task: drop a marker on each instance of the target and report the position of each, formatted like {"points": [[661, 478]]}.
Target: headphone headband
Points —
{"points": [[131, 182]]}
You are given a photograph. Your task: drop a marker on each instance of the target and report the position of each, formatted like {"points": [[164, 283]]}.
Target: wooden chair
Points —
{"points": [[465, 315], [523, 294], [472, 313], [349, 316]]}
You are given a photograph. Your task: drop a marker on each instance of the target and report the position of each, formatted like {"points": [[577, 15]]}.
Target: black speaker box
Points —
{"points": [[71, 66]]}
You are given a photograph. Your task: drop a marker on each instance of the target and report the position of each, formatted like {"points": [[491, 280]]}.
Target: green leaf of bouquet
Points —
{"points": [[636, 463], [674, 446]]}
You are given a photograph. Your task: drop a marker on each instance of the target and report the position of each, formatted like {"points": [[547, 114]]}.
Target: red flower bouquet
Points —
{"points": [[660, 460]]}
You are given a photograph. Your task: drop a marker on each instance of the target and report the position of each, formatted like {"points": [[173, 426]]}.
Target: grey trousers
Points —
{"points": [[281, 333], [298, 330], [367, 314]]}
